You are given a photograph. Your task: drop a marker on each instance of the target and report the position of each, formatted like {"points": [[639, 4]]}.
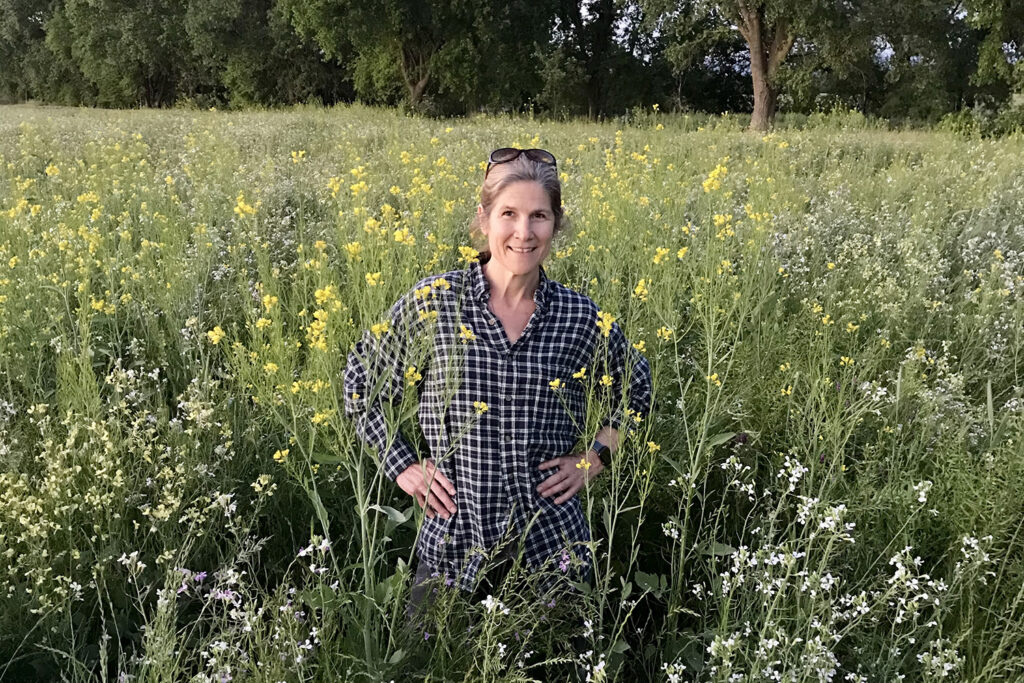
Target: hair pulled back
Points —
{"points": [[520, 169]]}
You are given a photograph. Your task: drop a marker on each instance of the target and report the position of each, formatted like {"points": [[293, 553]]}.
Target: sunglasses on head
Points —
{"points": [[503, 155]]}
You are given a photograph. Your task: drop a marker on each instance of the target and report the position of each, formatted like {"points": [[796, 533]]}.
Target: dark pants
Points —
{"points": [[495, 572]]}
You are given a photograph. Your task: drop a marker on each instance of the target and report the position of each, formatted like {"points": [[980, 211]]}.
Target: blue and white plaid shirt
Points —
{"points": [[488, 410]]}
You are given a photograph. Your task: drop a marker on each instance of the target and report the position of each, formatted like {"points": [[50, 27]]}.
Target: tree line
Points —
{"points": [[899, 59]]}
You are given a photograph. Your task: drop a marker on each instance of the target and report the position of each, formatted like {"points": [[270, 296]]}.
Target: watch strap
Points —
{"points": [[604, 453]]}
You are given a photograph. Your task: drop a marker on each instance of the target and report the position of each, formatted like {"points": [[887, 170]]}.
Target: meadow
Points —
{"points": [[830, 486]]}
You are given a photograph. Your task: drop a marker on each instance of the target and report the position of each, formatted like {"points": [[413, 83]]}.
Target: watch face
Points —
{"points": [[605, 455]]}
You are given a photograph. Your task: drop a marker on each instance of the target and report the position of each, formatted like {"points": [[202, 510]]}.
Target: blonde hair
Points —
{"points": [[520, 169]]}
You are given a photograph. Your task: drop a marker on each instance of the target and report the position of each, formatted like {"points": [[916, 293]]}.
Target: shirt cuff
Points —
{"points": [[398, 457]]}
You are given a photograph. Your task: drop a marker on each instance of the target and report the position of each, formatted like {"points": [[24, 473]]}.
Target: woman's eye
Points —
{"points": [[506, 212]]}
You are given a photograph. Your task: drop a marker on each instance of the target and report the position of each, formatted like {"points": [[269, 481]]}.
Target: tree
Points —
{"points": [[770, 28], [930, 53], [462, 52], [33, 65], [255, 56], [1001, 56], [600, 58], [132, 53]]}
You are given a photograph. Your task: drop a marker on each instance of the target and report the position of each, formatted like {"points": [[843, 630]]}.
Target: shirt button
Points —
{"points": [[507, 398], [491, 322], [507, 438]]}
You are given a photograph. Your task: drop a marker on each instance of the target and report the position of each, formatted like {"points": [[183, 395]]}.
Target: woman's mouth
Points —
{"points": [[522, 250]]}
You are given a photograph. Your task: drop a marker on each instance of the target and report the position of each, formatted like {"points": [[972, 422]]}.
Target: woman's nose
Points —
{"points": [[522, 228]]}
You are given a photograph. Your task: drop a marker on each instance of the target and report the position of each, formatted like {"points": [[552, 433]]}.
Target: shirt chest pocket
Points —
{"points": [[559, 400]]}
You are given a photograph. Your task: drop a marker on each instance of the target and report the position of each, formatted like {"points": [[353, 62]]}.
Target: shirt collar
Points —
{"points": [[481, 289]]}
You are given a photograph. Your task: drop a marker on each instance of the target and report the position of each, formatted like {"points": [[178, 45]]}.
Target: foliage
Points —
{"points": [[910, 61], [829, 487]]}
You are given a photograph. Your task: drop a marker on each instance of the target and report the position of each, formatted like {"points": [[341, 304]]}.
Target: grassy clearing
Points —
{"points": [[830, 486]]}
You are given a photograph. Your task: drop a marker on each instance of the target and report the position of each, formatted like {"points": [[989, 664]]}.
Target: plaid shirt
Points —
{"points": [[488, 411]]}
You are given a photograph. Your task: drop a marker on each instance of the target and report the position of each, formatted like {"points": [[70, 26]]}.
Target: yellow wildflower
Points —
{"points": [[480, 406], [468, 254], [580, 374], [465, 334], [412, 375], [606, 380], [604, 322], [324, 295], [353, 249], [555, 384], [321, 417], [243, 209], [215, 335], [641, 291], [281, 456], [270, 368]]}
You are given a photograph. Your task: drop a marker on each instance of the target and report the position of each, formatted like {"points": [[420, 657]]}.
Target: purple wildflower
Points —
{"points": [[564, 564]]}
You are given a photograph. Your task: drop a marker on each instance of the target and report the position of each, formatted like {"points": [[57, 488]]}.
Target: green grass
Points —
{"points": [[830, 486]]}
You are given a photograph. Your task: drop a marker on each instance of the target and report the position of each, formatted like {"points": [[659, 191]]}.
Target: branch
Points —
{"points": [[748, 25], [782, 43]]}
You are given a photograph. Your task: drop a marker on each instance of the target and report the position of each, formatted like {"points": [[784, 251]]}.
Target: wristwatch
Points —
{"points": [[604, 454]]}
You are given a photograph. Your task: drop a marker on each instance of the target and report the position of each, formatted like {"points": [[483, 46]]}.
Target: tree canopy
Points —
{"points": [[919, 59]]}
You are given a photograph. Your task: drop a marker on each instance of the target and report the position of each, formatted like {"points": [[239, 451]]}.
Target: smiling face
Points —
{"points": [[519, 227]]}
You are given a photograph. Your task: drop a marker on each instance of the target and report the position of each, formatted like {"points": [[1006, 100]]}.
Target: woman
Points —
{"points": [[492, 351]]}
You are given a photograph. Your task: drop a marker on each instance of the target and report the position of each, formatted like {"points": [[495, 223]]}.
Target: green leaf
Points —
{"points": [[653, 583], [718, 549], [719, 439], [324, 599], [397, 657], [325, 458], [620, 646], [393, 514]]}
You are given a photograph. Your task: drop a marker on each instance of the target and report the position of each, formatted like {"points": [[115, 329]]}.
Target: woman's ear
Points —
{"points": [[481, 218]]}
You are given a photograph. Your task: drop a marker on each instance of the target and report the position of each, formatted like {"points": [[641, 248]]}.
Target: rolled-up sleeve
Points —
{"points": [[374, 380], [631, 381]]}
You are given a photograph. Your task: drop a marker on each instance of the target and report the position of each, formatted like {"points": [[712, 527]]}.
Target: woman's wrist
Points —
{"points": [[595, 465]]}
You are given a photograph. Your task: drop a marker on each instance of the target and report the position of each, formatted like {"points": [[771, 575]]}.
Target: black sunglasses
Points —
{"points": [[503, 155]]}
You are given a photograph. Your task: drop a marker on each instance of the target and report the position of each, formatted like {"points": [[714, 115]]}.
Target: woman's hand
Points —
{"points": [[431, 489], [574, 471]]}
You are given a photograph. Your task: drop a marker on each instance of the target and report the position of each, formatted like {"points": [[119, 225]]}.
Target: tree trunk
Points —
{"points": [[416, 72], [769, 47], [765, 98]]}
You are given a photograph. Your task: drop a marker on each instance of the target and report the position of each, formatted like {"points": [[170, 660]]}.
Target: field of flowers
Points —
{"points": [[830, 485]]}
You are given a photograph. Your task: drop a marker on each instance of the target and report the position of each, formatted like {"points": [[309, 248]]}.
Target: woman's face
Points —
{"points": [[519, 228]]}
